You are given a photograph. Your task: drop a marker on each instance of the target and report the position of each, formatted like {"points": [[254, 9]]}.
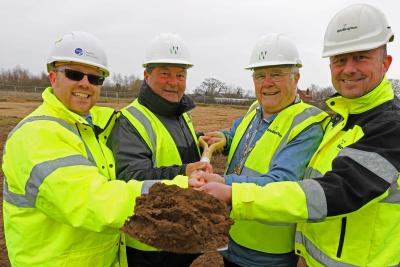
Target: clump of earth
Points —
{"points": [[180, 220]]}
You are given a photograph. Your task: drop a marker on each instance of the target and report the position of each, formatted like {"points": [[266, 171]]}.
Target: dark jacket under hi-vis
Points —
{"points": [[153, 139]]}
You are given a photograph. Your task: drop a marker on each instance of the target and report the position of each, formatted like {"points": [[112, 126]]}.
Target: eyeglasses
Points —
{"points": [[76, 75], [272, 76]]}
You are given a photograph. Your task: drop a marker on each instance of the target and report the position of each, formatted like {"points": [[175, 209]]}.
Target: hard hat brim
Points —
{"points": [[344, 49], [273, 63], [75, 60], [168, 61]]}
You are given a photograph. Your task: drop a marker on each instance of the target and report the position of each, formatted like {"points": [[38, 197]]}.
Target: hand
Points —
{"points": [[199, 178], [195, 180], [204, 166], [215, 139], [221, 191]]}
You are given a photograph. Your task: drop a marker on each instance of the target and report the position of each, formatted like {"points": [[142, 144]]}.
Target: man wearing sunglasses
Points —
{"points": [[273, 142], [154, 138], [62, 205]]}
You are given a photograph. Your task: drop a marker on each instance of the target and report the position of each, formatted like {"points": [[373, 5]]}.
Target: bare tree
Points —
{"points": [[211, 87], [22, 77], [233, 91], [321, 94]]}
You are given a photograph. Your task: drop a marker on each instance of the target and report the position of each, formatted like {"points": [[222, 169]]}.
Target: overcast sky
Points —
{"points": [[220, 33]]}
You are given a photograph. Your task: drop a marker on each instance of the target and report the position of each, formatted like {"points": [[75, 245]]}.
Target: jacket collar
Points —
{"points": [[100, 115], [161, 106], [382, 93]]}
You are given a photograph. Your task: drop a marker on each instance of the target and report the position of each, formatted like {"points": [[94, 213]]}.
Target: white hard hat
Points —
{"points": [[272, 50], [357, 27], [167, 48], [79, 47]]}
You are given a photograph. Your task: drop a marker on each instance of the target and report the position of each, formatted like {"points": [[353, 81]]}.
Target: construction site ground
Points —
{"points": [[14, 107]]}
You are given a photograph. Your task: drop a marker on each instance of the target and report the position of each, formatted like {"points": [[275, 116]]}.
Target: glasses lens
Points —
{"points": [[95, 80], [76, 75]]}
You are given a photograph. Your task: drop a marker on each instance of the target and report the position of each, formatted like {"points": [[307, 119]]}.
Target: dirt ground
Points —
{"points": [[13, 108]]}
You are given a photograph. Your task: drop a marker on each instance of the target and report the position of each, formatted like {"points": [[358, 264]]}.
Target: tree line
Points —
{"points": [[21, 77], [129, 85]]}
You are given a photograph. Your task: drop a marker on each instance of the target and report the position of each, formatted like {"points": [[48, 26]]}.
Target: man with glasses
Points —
{"points": [[273, 142], [347, 208], [154, 138], [62, 205]]}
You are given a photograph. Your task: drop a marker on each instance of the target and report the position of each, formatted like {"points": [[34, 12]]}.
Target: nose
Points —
{"points": [[267, 82], [84, 81], [349, 66], [173, 80]]}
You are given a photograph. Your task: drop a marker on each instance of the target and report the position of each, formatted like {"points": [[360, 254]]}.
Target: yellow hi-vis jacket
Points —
{"points": [[348, 214], [288, 124], [160, 142], [62, 205]]}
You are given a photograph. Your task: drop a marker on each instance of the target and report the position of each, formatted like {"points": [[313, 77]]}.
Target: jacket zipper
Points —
{"points": [[341, 240]]}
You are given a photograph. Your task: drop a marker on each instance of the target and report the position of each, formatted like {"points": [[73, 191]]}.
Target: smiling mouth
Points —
{"points": [[80, 95], [350, 80], [270, 93], [171, 92]]}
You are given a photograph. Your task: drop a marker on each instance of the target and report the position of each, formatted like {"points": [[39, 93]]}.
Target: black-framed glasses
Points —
{"points": [[76, 75]]}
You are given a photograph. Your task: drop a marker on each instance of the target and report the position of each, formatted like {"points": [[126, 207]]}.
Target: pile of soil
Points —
{"points": [[180, 220]]}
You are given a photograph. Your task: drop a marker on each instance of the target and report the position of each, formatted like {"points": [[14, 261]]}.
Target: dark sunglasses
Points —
{"points": [[76, 75]]}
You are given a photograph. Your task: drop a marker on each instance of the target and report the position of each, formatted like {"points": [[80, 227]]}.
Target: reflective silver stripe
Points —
{"points": [[316, 200], [373, 162], [36, 178], [317, 254], [394, 195], [147, 184], [149, 129], [46, 118], [54, 119], [305, 114], [312, 173], [255, 106]]}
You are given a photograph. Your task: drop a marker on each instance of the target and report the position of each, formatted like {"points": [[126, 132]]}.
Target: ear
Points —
{"points": [[52, 78], [297, 77], [386, 63], [145, 75]]}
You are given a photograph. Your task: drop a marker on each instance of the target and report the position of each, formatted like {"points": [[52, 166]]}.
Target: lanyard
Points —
{"points": [[249, 144]]}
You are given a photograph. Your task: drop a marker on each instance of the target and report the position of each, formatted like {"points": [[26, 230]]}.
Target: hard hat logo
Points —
{"points": [[79, 51], [174, 50], [345, 28], [263, 55]]}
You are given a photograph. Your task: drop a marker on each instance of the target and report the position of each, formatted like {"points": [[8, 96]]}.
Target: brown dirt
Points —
{"points": [[180, 220], [13, 107]]}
